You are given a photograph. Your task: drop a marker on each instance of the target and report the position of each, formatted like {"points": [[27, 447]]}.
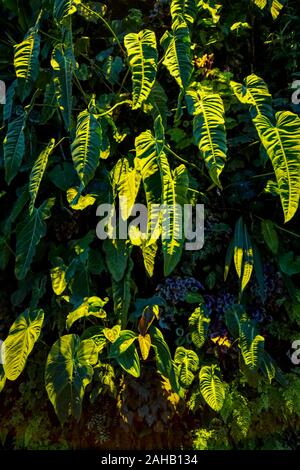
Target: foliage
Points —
{"points": [[162, 103]]}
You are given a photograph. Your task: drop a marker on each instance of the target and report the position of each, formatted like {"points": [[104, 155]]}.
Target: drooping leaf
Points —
{"points": [[26, 62], [22, 336], [116, 255], [256, 94], [49, 103], [68, 372], [86, 146], [251, 345], [58, 278], [163, 356], [126, 183], [2, 376], [185, 8], [29, 233], [38, 171], [157, 103], [188, 363], [177, 46], [145, 345], [127, 357], [212, 387], [77, 201], [62, 62], [122, 295], [282, 143], [8, 107], [199, 323], [209, 130], [14, 146], [64, 8], [175, 190], [243, 253], [142, 57]]}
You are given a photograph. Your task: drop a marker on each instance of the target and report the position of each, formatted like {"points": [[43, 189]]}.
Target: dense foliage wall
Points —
{"points": [[138, 342]]}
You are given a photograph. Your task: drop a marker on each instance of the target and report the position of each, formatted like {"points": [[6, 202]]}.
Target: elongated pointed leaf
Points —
{"points": [[255, 93], [142, 56], [29, 233], [126, 183], [185, 8], [282, 143], [175, 190], [248, 260], [68, 372], [64, 8], [86, 146], [199, 323], [177, 46], [152, 162], [212, 387], [239, 247], [62, 62], [21, 339], [49, 103], [251, 345], [14, 147], [38, 171], [26, 62], [209, 130]]}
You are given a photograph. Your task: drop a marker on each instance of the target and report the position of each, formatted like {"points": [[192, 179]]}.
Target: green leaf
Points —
{"points": [[270, 235], [243, 253], [228, 259], [188, 362], [289, 263], [126, 356], [49, 103], [256, 94], [26, 62], [112, 334], [126, 183], [92, 306], [239, 247], [2, 378], [212, 387], [96, 334], [77, 201], [116, 255], [145, 345], [177, 46], [212, 7], [185, 8], [157, 103], [122, 295], [23, 335], [8, 107], [199, 323], [153, 164], [209, 130], [251, 345], [64, 8], [142, 57], [62, 62], [68, 371], [248, 260], [14, 146], [29, 233], [282, 143], [58, 279], [163, 356], [37, 173], [86, 146], [175, 190], [233, 317], [276, 8]]}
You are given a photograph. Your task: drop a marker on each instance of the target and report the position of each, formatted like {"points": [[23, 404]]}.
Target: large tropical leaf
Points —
{"points": [[22, 336], [175, 190], [199, 323], [64, 8], [68, 371], [282, 143], [125, 353], [142, 57], [209, 130], [26, 61], [188, 363], [14, 146], [86, 146], [185, 8], [242, 253], [126, 183], [38, 171], [157, 103], [2, 376], [62, 62], [116, 255], [122, 295], [177, 46], [153, 164], [255, 93], [251, 345], [163, 356], [212, 387], [29, 233]]}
